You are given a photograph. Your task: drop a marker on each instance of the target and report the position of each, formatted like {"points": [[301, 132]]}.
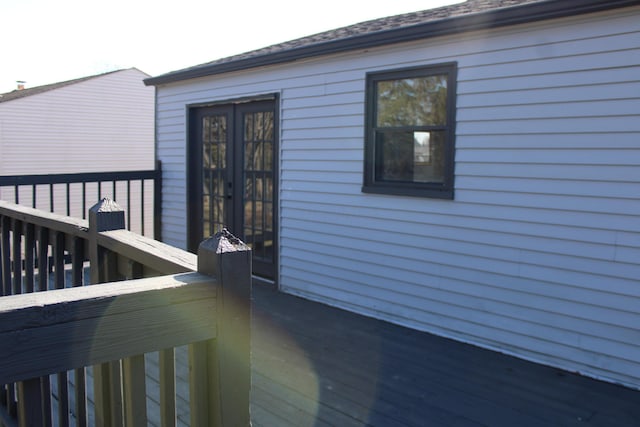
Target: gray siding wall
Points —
{"points": [[537, 256], [103, 124]]}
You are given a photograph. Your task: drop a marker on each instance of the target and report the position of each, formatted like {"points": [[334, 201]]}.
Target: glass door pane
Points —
{"points": [[214, 172], [258, 143], [232, 167]]}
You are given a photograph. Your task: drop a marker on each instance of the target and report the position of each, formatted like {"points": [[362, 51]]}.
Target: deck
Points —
{"points": [[315, 365]]}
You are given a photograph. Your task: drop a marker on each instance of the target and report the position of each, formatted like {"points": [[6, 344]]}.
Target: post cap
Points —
{"points": [[106, 215], [223, 242]]}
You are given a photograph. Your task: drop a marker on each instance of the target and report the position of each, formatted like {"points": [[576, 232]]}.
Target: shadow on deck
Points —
{"points": [[314, 365]]}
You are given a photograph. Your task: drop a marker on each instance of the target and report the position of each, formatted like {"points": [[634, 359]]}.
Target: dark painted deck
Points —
{"points": [[318, 366], [315, 365]]}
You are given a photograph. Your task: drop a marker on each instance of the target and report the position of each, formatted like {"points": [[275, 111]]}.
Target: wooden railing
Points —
{"points": [[71, 194], [153, 297]]}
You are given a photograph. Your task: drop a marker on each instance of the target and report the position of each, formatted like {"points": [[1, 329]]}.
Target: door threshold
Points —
{"points": [[262, 281]]}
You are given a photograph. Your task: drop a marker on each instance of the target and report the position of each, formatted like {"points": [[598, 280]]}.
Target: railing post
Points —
{"points": [[106, 215], [157, 202], [221, 379]]}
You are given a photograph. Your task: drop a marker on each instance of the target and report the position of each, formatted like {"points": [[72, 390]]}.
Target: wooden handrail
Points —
{"points": [[158, 256], [48, 332], [74, 227], [206, 307]]}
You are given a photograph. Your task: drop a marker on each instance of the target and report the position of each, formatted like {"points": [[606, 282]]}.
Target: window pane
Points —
{"points": [[257, 155], [394, 156], [418, 101], [248, 127], [268, 156], [409, 156], [268, 125], [429, 156], [214, 141], [248, 155]]}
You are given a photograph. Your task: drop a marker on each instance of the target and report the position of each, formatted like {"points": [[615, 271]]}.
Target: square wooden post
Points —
{"points": [[106, 215], [221, 368]]}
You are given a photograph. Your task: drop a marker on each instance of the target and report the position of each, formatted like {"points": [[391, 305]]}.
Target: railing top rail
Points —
{"points": [[158, 256], [72, 178], [106, 220], [71, 226], [59, 330]]}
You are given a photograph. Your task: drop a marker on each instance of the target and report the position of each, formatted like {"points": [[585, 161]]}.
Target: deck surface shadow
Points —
{"points": [[315, 365]]}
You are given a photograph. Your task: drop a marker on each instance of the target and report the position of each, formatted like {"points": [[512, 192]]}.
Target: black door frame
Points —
{"points": [[235, 161]]}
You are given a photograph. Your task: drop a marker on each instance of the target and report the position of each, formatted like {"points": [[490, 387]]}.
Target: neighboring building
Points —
{"points": [[471, 170], [100, 123]]}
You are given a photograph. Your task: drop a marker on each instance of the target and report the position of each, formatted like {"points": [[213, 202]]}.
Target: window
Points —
{"points": [[410, 132]]}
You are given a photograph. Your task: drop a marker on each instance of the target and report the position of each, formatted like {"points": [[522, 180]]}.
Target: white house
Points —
{"points": [[471, 170], [101, 123], [79, 125]]}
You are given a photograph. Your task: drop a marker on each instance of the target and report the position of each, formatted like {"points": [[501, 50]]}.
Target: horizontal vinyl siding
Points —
{"points": [[103, 124], [537, 255]]}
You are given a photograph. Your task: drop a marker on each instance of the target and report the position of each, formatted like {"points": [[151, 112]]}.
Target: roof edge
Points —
{"points": [[36, 90], [520, 14]]}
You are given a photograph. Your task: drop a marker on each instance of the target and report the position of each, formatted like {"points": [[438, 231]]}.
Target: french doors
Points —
{"points": [[232, 177]]}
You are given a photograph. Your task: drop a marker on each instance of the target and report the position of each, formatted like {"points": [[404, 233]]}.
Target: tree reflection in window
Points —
{"points": [[410, 136]]}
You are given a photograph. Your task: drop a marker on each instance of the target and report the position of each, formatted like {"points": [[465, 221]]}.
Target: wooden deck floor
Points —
{"points": [[318, 366]]}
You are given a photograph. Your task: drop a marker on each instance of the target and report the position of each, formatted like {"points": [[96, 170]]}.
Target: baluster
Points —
{"points": [[58, 281], [42, 285], [157, 202], [142, 206], [129, 204], [77, 278], [84, 200], [133, 373], [14, 275], [29, 254], [51, 203], [16, 227], [167, 380], [29, 392], [5, 286], [6, 255], [68, 199]]}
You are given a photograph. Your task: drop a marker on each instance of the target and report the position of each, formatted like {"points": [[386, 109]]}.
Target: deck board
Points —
{"points": [[314, 365], [363, 372]]}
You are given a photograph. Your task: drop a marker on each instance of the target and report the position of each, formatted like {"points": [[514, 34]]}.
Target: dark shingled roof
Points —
{"points": [[380, 25], [467, 16], [17, 94]]}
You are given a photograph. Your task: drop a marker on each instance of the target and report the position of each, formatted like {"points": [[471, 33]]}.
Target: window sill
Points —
{"points": [[412, 191]]}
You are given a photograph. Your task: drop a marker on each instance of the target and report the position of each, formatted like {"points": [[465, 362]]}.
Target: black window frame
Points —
{"points": [[444, 190]]}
